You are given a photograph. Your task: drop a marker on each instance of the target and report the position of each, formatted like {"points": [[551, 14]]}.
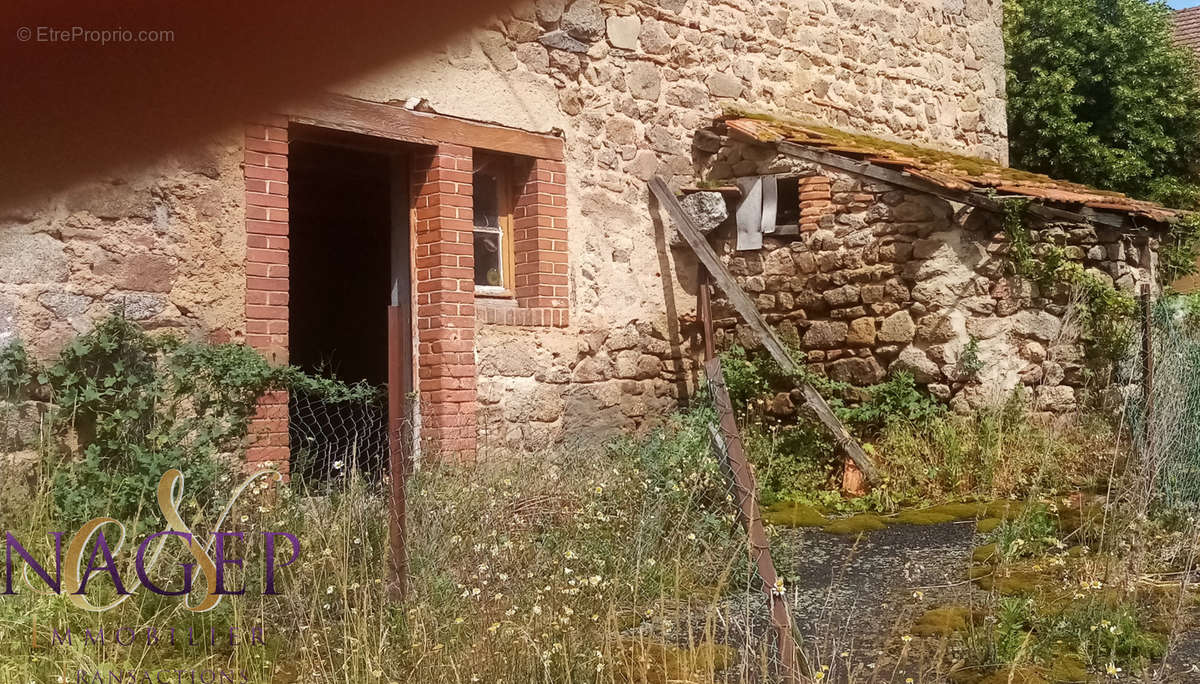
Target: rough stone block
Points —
{"points": [[825, 334], [623, 31], [936, 328], [583, 20], [644, 81], [842, 296], [21, 424], [142, 272], [561, 40], [721, 84], [986, 328], [897, 328], [1039, 325], [549, 11], [1056, 399], [861, 332], [654, 38], [916, 363], [31, 258], [856, 371], [137, 306]]}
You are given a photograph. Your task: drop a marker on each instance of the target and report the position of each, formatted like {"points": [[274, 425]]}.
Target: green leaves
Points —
{"points": [[138, 405], [1104, 310], [1099, 93], [898, 399], [16, 370]]}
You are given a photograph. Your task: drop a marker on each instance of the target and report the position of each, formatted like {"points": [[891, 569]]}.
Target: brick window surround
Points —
{"points": [[816, 200], [540, 246], [446, 309]]}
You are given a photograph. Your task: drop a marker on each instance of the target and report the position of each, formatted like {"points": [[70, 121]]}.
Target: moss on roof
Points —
{"points": [[977, 168]]}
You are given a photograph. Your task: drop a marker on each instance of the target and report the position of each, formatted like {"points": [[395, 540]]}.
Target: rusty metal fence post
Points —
{"points": [[730, 453], [399, 446], [1147, 373]]}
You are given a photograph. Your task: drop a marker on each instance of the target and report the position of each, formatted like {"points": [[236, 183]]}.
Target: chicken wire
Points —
{"points": [[1166, 428], [329, 435]]}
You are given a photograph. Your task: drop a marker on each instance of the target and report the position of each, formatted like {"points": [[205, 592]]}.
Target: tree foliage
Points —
{"points": [[1099, 93]]}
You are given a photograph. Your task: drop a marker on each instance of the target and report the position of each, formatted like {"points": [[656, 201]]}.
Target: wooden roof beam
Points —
{"points": [[901, 179]]}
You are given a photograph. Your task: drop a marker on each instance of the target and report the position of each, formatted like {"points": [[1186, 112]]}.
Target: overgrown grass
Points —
{"points": [[611, 565], [927, 455], [994, 453]]}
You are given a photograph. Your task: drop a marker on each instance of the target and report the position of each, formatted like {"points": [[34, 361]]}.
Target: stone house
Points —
{"points": [[872, 255], [492, 195]]}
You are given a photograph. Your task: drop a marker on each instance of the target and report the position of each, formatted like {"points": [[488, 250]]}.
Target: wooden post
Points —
{"points": [[704, 308], [399, 442], [727, 447], [743, 305]]}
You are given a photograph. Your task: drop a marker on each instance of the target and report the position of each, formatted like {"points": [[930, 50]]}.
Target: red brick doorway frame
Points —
{"points": [[442, 258]]}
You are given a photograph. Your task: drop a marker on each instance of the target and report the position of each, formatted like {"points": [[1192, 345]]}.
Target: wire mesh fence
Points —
{"points": [[1163, 412], [329, 434]]}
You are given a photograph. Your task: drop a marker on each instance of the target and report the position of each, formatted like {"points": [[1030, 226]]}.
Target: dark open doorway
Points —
{"points": [[348, 217]]}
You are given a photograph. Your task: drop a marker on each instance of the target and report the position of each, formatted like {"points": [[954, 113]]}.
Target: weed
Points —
{"points": [[896, 401], [994, 453], [1027, 534], [17, 370], [969, 361]]}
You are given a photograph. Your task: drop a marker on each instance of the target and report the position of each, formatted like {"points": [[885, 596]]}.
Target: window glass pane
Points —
{"points": [[486, 198], [487, 259]]}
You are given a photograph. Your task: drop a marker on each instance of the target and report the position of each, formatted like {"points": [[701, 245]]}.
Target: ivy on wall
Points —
{"points": [[1105, 311], [129, 406]]}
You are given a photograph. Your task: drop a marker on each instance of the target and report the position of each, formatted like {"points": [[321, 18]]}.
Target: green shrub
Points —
{"points": [[896, 400], [969, 361], [1011, 639], [745, 376], [792, 463], [995, 452], [1027, 534], [16, 370], [136, 405], [1106, 313], [1094, 632], [139, 406], [1180, 249], [1103, 632]]}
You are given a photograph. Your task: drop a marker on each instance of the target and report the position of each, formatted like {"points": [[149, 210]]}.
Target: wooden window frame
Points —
{"points": [[505, 201]]}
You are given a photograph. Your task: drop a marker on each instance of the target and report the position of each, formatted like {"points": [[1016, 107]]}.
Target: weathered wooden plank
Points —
{"points": [[704, 309], [749, 214], [745, 307], [704, 252], [770, 194], [726, 442], [872, 171], [398, 123]]}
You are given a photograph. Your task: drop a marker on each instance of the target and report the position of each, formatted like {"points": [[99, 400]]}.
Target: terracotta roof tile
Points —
{"points": [[948, 170], [1187, 27]]}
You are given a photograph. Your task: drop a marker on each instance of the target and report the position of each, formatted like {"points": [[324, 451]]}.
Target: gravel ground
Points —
{"points": [[1183, 663], [852, 598], [851, 594]]}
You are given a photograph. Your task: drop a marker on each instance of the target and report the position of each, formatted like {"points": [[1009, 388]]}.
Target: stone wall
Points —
{"points": [[166, 243], [583, 384], [627, 85], [890, 279]]}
